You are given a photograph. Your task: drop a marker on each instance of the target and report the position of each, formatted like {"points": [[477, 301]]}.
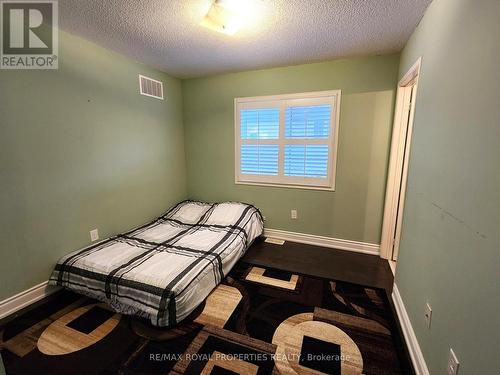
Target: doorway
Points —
{"points": [[398, 164]]}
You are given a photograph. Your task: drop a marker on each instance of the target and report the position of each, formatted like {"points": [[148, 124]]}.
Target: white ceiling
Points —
{"points": [[166, 33]]}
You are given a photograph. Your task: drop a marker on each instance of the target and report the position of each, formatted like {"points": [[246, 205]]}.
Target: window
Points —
{"points": [[287, 140]]}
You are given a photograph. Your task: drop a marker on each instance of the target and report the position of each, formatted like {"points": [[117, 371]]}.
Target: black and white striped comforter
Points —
{"points": [[163, 270]]}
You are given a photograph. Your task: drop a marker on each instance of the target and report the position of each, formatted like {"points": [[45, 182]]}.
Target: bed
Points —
{"points": [[163, 270]]}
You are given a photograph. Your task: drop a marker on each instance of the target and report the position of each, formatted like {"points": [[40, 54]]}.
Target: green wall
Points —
{"points": [[449, 252], [354, 210], [81, 149]]}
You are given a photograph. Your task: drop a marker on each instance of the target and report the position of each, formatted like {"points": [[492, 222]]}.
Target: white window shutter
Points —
{"points": [[287, 140]]}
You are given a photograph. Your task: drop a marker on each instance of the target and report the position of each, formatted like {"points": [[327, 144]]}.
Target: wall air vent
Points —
{"points": [[150, 87]]}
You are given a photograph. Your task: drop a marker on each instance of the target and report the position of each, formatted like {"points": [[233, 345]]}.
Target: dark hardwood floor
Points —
{"points": [[363, 269]]}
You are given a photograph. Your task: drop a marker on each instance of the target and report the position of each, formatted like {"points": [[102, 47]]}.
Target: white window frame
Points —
{"points": [[331, 97]]}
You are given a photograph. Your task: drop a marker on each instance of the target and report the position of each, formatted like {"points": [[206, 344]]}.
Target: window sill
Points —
{"points": [[288, 186]]}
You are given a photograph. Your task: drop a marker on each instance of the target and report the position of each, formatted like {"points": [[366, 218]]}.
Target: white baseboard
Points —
{"points": [[411, 339], [336, 243], [15, 303]]}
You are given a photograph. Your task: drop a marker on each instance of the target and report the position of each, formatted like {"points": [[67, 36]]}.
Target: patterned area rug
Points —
{"points": [[259, 321]]}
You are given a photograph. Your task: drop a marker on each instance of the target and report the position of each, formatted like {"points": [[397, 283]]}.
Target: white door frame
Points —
{"points": [[398, 165]]}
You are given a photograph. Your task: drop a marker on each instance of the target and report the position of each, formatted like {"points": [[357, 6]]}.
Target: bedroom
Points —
{"points": [[359, 225]]}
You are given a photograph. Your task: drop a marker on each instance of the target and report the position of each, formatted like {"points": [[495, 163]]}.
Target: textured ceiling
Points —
{"points": [[166, 33]]}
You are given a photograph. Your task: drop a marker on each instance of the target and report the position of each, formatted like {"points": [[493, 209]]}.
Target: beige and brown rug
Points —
{"points": [[259, 321]]}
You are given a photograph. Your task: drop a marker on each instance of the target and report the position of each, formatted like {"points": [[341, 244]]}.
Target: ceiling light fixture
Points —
{"points": [[229, 16]]}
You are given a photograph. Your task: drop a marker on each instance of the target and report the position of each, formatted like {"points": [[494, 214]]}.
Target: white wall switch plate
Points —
{"points": [[428, 315], [293, 214], [453, 363], [275, 241], [94, 235]]}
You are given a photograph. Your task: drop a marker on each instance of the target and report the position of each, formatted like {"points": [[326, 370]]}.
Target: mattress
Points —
{"points": [[163, 270]]}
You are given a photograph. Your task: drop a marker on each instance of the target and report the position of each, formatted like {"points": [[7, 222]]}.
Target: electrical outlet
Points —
{"points": [[428, 315], [94, 235], [453, 363], [293, 214]]}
